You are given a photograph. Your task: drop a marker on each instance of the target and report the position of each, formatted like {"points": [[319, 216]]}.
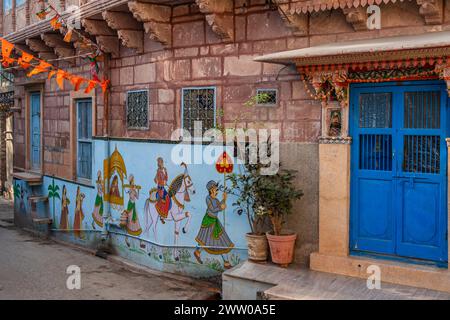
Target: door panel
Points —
{"points": [[399, 172], [35, 130]]}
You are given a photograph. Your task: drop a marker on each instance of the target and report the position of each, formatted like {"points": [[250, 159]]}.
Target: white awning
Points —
{"points": [[364, 50]]}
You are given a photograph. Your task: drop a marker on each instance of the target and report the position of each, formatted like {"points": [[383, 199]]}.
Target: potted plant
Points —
{"points": [[275, 194], [243, 187]]}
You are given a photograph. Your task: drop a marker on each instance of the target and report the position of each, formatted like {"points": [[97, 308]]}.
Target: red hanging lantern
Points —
{"points": [[224, 164]]}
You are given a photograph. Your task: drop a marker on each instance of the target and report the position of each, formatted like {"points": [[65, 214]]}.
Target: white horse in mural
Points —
{"points": [[179, 192]]}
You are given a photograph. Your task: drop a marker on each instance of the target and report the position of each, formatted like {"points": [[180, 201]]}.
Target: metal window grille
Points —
{"points": [[199, 104], [137, 109], [84, 151], [375, 152], [375, 110], [266, 97]]}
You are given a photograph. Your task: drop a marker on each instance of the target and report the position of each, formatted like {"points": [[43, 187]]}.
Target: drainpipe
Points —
{"points": [[106, 106]]}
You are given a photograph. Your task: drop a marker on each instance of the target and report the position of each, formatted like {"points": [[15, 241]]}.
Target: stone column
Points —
{"points": [[334, 196]]}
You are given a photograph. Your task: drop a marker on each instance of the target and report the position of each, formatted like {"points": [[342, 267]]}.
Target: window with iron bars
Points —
{"points": [[266, 97], [137, 109], [198, 104]]}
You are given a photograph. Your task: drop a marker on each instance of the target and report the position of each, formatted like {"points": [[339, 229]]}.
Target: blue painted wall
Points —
{"points": [[147, 248]]}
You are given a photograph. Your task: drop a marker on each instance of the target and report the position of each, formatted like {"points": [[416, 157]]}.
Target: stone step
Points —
{"points": [[42, 221], [38, 198]]}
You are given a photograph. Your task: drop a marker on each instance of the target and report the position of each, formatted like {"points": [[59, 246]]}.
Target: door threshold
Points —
{"points": [[408, 260]]}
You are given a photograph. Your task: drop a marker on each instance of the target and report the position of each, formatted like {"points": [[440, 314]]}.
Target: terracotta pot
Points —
{"points": [[282, 248], [257, 247]]}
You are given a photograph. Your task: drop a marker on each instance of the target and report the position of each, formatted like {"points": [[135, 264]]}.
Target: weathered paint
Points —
{"points": [[155, 250]]}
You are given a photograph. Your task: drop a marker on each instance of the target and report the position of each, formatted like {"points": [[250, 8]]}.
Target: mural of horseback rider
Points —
{"points": [[163, 200]]}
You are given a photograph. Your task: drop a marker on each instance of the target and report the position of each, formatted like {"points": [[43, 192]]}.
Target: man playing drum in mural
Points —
{"points": [[212, 236], [163, 201]]}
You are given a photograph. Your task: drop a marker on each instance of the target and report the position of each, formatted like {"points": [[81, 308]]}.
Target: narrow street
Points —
{"points": [[33, 268]]}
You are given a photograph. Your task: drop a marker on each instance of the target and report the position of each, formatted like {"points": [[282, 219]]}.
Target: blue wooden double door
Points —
{"points": [[399, 170]]}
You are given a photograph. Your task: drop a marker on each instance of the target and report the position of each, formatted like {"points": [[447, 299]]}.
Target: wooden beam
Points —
{"points": [[106, 38], [219, 14], [129, 30], [297, 22], [156, 19], [97, 27], [432, 11], [42, 50], [357, 17]]}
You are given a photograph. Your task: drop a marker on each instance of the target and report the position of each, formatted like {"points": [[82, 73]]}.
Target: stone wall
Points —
{"points": [[199, 57]]}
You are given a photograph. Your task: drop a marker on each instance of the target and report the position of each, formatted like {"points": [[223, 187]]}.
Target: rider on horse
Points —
{"points": [[163, 200]]}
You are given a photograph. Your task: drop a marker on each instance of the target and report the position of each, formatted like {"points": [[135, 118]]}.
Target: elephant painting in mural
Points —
{"points": [[163, 206]]}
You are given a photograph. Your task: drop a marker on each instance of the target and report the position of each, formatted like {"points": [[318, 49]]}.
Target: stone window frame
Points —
{"points": [[147, 127], [29, 89], [84, 140], [214, 88], [74, 97]]}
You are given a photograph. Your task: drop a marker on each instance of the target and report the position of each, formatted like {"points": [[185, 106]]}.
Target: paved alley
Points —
{"points": [[32, 268]]}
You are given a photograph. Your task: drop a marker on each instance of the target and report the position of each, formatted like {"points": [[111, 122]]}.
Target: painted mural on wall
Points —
{"points": [[168, 215]]}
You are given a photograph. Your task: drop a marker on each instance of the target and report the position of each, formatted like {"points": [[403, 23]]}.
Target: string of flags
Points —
{"points": [[11, 55]]}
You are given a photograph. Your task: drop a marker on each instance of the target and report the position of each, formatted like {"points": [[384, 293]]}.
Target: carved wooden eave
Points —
{"points": [[42, 50], [156, 19], [400, 58], [128, 29], [296, 21], [105, 37], [432, 10], [61, 48], [220, 17]]}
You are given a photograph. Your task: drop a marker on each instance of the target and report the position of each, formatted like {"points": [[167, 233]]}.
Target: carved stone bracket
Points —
{"points": [[61, 48], [357, 17], [156, 19], [219, 15], [128, 29], [106, 37], [297, 22], [42, 50], [431, 10]]}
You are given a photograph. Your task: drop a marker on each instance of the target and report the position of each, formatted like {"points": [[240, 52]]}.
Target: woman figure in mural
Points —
{"points": [[133, 226], [64, 221], [79, 215], [114, 189], [335, 124], [163, 201], [212, 236], [97, 214]]}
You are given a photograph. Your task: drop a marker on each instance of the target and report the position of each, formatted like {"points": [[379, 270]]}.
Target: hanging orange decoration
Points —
{"points": [[104, 84], [54, 22], [68, 36], [51, 74], [60, 76], [90, 86], [25, 59], [42, 15], [7, 48], [42, 67], [76, 82]]}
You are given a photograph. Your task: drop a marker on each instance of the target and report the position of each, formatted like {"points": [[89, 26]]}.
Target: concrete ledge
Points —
{"points": [[413, 275]]}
